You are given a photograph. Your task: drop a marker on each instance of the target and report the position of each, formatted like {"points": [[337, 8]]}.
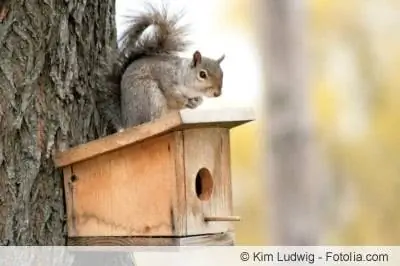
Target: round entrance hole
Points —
{"points": [[204, 184]]}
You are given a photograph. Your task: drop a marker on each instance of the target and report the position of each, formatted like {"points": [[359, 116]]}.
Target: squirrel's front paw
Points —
{"points": [[194, 102]]}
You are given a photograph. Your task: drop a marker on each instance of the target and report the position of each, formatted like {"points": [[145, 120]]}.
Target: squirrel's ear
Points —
{"points": [[196, 59], [219, 60]]}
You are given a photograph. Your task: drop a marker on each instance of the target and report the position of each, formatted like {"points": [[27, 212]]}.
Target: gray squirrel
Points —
{"points": [[149, 77]]}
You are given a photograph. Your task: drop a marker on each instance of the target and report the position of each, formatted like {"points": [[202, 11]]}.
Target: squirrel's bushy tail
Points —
{"points": [[167, 38]]}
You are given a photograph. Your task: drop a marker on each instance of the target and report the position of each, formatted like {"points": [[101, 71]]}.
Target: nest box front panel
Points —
{"points": [[208, 179], [133, 191]]}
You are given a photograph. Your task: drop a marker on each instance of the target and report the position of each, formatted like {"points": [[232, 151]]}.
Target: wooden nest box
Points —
{"points": [[167, 182]]}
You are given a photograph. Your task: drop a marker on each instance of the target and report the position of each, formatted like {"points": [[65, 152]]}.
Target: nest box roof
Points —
{"points": [[184, 119]]}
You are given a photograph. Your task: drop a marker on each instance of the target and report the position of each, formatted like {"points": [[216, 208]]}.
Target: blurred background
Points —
{"points": [[321, 165]]}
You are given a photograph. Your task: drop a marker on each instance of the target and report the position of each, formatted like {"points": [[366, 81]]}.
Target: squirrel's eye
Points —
{"points": [[203, 74]]}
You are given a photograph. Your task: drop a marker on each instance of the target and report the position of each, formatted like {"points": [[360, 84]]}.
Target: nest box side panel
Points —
{"points": [[133, 191], [211, 194]]}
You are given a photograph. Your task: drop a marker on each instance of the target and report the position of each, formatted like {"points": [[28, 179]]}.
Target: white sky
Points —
{"points": [[241, 69]]}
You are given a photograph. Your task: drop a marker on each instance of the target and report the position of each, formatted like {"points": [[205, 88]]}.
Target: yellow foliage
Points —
{"points": [[371, 163], [326, 13], [246, 174], [368, 165], [243, 147], [238, 15], [325, 105]]}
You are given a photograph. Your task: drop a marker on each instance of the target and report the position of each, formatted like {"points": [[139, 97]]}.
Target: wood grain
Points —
{"points": [[178, 182], [124, 193], [176, 121], [208, 148], [219, 239], [117, 140], [222, 218]]}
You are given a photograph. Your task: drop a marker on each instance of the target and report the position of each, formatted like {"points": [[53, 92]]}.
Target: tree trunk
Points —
{"points": [[294, 176], [51, 55]]}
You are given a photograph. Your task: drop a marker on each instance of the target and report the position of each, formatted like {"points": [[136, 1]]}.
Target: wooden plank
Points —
{"points": [[227, 117], [184, 119], [122, 241], [124, 193], [178, 182], [208, 148], [220, 239], [117, 140], [225, 181], [222, 218]]}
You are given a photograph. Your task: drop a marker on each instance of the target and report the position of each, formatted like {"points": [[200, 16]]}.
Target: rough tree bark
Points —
{"points": [[294, 171], [51, 55]]}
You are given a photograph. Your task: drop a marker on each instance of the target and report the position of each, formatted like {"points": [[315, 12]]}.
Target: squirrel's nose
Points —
{"points": [[217, 93]]}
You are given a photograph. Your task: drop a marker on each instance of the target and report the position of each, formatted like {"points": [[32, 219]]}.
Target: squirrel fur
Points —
{"points": [[150, 79]]}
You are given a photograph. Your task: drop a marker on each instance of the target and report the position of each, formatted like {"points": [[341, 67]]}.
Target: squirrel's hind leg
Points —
{"points": [[141, 102]]}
